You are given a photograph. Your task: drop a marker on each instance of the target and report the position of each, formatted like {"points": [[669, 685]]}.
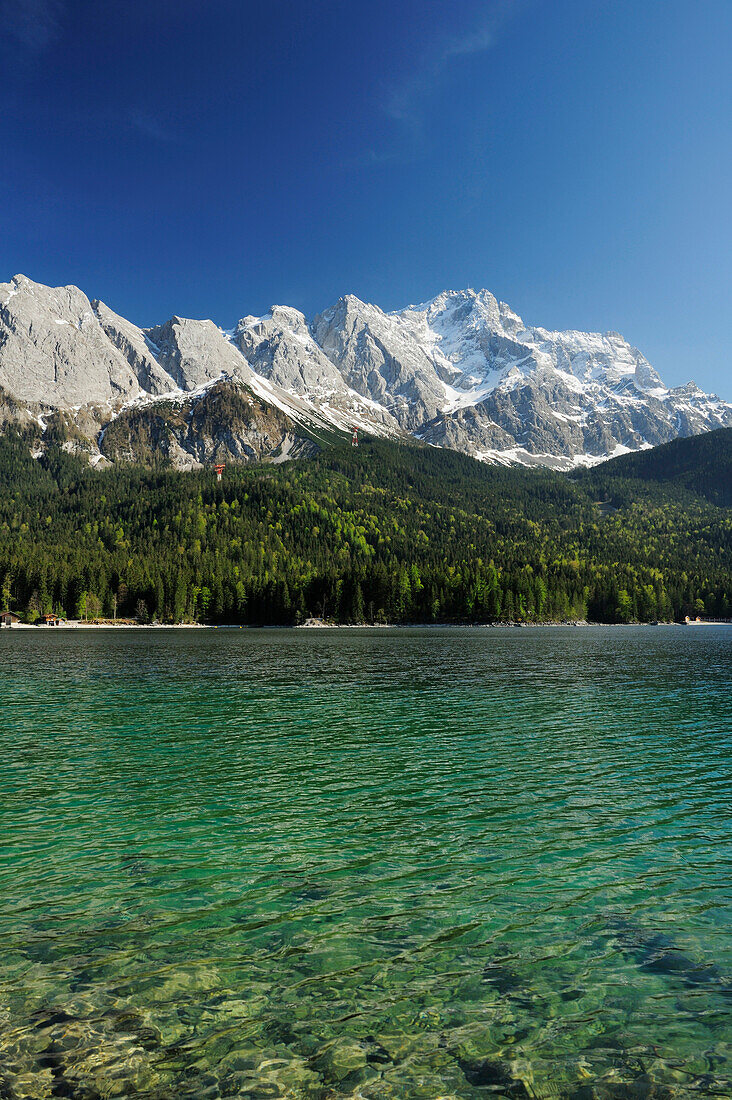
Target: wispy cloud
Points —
{"points": [[30, 24], [153, 127], [405, 100]]}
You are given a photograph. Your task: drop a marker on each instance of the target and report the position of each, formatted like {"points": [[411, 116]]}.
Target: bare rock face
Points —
{"points": [[281, 348], [462, 370], [54, 351], [136, 349], [77, 375], [194, 353], [380, 359]]}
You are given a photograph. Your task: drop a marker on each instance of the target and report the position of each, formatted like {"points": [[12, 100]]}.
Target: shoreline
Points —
{"points": [[74, 626]]}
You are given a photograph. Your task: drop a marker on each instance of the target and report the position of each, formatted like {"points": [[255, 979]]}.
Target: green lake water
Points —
{"points": [[366, 863]]}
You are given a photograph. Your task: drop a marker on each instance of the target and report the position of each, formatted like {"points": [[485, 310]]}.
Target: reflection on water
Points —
{"points": [[379, 864]]}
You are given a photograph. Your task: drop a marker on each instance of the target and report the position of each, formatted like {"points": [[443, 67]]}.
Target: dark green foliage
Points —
{"points": [[384, 532], [701, 464]]}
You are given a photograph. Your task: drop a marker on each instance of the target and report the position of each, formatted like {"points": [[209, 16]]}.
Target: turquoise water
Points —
{"points": [[366, 863]]}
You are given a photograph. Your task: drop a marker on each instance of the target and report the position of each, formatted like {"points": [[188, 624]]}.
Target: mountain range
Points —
{"points": [[462, 371]]}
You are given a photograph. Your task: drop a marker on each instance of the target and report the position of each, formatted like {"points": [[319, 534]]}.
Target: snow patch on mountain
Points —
{"points": [[462, 370], [513, 390]]}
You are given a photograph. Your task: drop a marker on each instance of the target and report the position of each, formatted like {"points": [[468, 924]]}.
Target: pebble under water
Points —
{"points": [[366, 863]]}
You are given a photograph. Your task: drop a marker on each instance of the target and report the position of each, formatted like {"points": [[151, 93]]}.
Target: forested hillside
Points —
{"points": [[701, 464], [382, 533]]}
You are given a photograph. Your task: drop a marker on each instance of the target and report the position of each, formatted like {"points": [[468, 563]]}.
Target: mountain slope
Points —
{"points": [[700, 465], [380, 360], [462, 371], [72, 371], [281, 348], [53, 350], [385, 532], [223, 422], [526, 394]]}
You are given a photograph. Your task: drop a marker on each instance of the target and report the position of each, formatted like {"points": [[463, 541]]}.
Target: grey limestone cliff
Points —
{"points": [[462, 370]]}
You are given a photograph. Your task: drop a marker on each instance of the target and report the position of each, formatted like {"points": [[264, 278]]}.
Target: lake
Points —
{"points": [[379, 863]]}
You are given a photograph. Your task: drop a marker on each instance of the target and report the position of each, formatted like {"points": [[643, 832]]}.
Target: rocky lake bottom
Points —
{"points": [[366, 863]]}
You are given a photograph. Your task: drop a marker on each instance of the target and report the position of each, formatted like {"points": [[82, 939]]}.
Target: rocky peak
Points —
{"points": [[136, 348], [460, 370], [195, 353], [281, 348], [55, 351], [380, 359]]}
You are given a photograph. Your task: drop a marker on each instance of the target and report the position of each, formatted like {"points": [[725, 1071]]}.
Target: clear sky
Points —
{"points": [[210, 159]]}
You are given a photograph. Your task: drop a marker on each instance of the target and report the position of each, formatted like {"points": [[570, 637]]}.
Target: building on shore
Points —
{"points": [[8, 618]]}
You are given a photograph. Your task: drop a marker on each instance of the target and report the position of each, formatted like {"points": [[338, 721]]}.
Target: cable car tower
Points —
{"points": [[354, 438], [219, 468]]}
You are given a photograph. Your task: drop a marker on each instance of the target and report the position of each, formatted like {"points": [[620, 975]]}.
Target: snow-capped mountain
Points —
{"points": [[462, 371], [516, 392]]}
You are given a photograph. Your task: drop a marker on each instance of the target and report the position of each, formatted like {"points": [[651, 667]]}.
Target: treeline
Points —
{"points": [[384, 533]]}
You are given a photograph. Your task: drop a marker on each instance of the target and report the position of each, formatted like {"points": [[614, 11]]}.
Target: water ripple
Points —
{"points": [[379, 864]]}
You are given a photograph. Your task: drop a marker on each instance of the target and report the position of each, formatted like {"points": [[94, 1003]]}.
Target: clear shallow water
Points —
{"points": [[424, 863]]}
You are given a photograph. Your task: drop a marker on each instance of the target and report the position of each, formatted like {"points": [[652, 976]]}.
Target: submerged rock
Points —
{"points": [[343, 1060], [657, 953], [376, 1054], [642, 1088], [57, 1053], [488, 1072], [502, 978]]}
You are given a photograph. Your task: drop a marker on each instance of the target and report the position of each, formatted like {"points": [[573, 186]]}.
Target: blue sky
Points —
{"points": [[573, 156]]}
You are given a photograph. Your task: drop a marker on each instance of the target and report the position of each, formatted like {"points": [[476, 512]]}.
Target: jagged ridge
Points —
{"points": [[462, 371]]}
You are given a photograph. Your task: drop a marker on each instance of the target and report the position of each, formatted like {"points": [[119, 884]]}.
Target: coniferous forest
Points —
{"points": [[382, 533]]}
